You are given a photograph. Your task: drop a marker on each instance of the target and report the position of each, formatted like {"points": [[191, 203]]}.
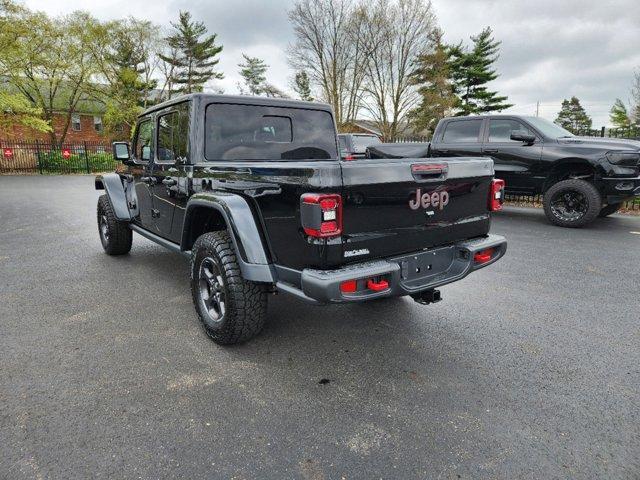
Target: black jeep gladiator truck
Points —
{"points": [[253, 191], [581, 178]]}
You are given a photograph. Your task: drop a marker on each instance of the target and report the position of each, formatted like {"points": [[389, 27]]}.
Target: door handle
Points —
{"points": [[169, 182], [443, 150], [490, 150]]}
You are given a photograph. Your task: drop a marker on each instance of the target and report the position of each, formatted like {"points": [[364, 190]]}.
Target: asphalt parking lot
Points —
{"points": [[527, 369]]}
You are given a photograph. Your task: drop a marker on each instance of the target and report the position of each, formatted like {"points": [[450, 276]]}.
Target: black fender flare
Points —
{"points": [[112, 184], [243, 229]]}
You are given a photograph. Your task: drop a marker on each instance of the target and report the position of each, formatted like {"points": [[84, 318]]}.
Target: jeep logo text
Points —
{"points": [[434, 200]]}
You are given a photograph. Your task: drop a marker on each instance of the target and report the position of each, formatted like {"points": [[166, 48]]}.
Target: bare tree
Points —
{"points": [[326, 49], [635, 95], [395, 33]]}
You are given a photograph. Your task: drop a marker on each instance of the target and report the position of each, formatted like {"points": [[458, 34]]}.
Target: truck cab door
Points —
{"points": [[139, 169], [460, 138], [170, 184], [514, 161]]}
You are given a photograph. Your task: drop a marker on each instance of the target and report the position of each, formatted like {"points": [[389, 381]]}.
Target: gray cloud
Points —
{"points": [[554, 49], [551, 49]]}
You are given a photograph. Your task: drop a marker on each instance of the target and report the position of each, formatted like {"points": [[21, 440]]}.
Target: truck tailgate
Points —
{"points": [[395, 206]]}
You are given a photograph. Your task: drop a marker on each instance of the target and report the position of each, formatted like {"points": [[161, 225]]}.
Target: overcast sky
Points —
{"points": [[551, 49]]}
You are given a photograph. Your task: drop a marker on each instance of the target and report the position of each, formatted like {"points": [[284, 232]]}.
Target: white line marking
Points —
{"points": [[635, 233]]}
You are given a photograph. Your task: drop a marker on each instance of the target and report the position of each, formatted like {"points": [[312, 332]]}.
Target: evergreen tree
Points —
{"points": [[431, 74], [573, 117], [253, 72], [127, 93], [302, 87], [196, 55], [471, 72], [619, 116], [270, 90]]}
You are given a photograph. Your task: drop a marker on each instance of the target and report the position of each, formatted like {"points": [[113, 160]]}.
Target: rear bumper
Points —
{"points": [[404, 275], [620, 189]]}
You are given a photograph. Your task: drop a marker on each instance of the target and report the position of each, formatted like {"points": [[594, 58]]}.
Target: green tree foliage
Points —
{"points": [[618, 115], [253, 73], [195, 55], [15, 109], [471, 71], [573, 117], [270, 90], [302, 86], [123, 54], [47, 60], [431, 75]]}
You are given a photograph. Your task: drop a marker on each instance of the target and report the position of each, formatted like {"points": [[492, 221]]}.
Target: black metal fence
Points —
{"points": [[631, 132], [46, 158]]}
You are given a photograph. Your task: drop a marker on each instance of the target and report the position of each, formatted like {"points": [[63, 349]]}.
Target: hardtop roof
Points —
{"points": [[241, 100]]}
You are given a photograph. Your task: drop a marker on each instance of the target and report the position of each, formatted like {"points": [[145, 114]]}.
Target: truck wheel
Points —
{"points": [[231, 309], [572, 203], [115, 236], [609, 210]]}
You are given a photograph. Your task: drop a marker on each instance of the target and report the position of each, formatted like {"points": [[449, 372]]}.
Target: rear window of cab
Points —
{"points": [[251, 132]]}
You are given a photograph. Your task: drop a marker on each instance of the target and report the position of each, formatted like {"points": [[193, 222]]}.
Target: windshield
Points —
{"points": [[549, 129]]}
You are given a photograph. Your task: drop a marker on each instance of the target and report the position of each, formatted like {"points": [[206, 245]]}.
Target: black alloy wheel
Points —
{"points": [[572, 203], [569, 205], [212, 292]]}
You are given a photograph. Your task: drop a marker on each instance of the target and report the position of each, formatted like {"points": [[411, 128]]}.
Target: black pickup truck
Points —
{"points": [[253, 191], [581, 178]]}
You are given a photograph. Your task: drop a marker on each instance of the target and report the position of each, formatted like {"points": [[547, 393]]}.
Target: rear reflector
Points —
{"points": [[483, 256], [496, 195], [350, 286], [321, 214]]}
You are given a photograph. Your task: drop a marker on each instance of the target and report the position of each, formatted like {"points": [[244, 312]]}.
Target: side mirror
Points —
{"points": [[121, 151], [519, 136]]}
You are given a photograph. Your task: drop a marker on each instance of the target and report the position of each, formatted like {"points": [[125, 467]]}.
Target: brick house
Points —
{"points": [[84, 127], [86, 123]]}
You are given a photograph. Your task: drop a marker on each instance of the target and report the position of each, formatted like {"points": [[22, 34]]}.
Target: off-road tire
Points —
{"points": [[115, 236], [245, 302], [587, 190], [609, 210]]}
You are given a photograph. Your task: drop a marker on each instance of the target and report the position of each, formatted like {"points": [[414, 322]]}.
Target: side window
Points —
{"points": [[144, 137], [173, 135], [462, 131], [500, 129]]}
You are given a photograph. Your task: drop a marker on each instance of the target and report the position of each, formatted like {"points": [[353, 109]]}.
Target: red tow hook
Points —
{"points": [[377, 286]]}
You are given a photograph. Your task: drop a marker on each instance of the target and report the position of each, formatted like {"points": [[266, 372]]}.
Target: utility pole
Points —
{"points": [[538, 108]]}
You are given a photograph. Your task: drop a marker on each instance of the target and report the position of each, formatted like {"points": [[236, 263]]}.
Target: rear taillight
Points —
{"points": [[350, 286], [321, 214], [348, 157], [496, 195]]}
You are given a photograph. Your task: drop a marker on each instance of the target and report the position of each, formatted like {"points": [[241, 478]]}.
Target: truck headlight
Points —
{"points": [[624, 159]]}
